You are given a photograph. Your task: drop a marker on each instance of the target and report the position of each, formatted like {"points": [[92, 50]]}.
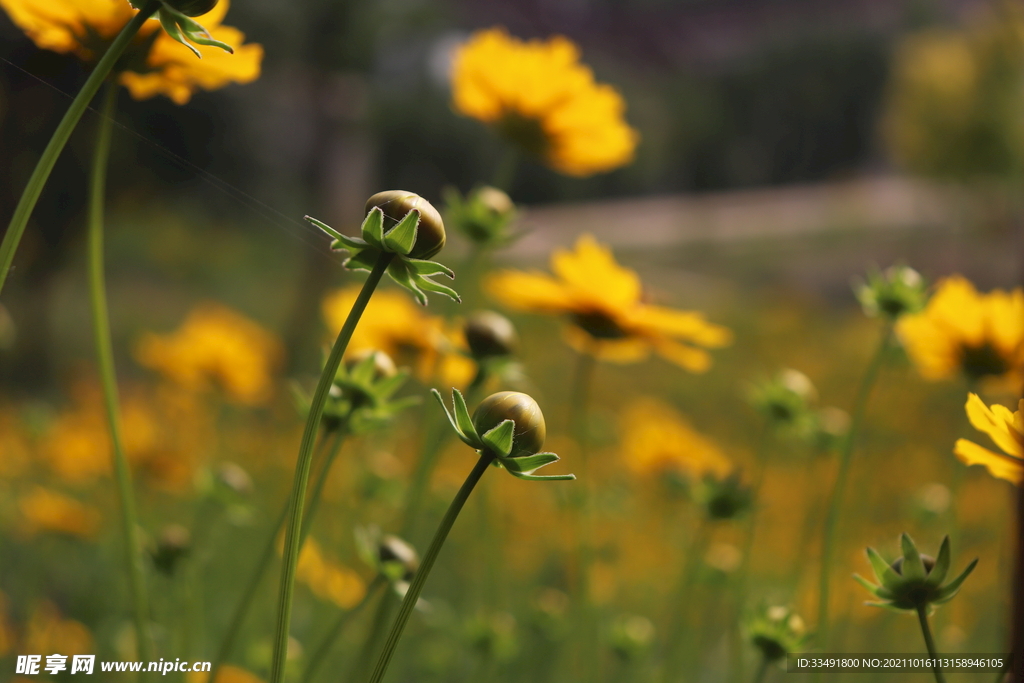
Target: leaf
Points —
{"points": [[886, 574], [499, 439], [463, 419], [372, 229], [401, 238], [331, 232], [938, 573], [913, 565], [168, 21], [951, 588], [530, 463], [421, 267]]}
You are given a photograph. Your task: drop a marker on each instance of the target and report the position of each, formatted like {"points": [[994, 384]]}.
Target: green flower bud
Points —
{"points": [[786, 399], [398, 559], [913, 581], [490, 334], [631, 636], [173, 544], [724, 498], [383, 366], [530, 430], [484, 215], [775, 631], [191, 8], [897, 291], [396, 204]]}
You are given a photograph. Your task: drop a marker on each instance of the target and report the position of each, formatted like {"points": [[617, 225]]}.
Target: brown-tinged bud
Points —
{"points": [[383, 366], [490, 334], [191, 8], [173, 544], [396, 204], [530, 430], [394, 551]]}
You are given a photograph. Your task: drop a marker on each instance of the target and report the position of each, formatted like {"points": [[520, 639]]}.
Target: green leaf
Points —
{"points": [[455, 425], [938, 573], [951, 588], [431, 286], [913, 566], [421, 267], [499, 439], [372, 229], [463, 419], [331, 232], [168, 21], [402, 237], [530, 463], [886, 574], [878, 591]]}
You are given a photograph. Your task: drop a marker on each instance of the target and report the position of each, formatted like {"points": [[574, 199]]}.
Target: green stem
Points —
{"points": [[922, 616], [36, 182], [293, 530], [761, 670], [318, 484], [420, 578], [241, 610], [108, 378], [505, 172], [324, 648], [677, 650], [835, 500]]}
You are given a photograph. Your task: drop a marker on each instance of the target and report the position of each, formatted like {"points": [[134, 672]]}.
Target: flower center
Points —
{"points": [[599, 325], [981, 361], [525, 132]]}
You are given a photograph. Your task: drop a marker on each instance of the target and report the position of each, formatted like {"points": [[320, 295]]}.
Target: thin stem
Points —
{"points": [[835, 500], [36, 182], [293, 530], [680, 600], [108, 379], [324, 648], [922, 616], [318, 484], [420, 578], [505, 172], [762, 670]]}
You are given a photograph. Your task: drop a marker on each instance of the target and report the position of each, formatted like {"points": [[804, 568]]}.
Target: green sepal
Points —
{"points": [[462, 418], [400, 274], [499, 439], [389, 385], [363, 371], [427, 268], [451, 420], [887, 605], [879, 592], [472, 439], [938, 573], [431, 286], [543, 477], [950, 589], [362, 260], [401, 238], [406, 274], [167, 20], [886, 574], [372, 229], [913, 565], [529, 463], [198, 34], [331, 232]]}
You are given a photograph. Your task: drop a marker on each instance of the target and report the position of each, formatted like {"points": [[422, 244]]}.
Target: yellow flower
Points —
{"points": [[327, 579], [961, 330], [657, 439], [604, 302], [48, 632], [166, 67], [1006, 429], [539, 95], [46, 510], [392, 323], [216, 346]]}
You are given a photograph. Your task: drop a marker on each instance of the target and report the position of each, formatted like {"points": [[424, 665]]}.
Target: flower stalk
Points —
{"points": [[41, 173], [926, 631], [293, 528], [108, 375]]}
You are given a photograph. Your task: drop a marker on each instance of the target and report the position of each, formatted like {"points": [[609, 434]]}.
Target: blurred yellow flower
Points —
{"points": [[1006, 429], [48, 632], [216, 346], [392, 323], [961, 330], [604, 302], [46, 510], [158, 65], [327, 579], [656, 439], [539, 95]]}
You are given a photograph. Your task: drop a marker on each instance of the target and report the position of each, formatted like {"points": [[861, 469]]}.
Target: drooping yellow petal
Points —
{"points": [[688, 325], [529, 291], [592, 273], [998, 465], [998, 423], [686, 357]]}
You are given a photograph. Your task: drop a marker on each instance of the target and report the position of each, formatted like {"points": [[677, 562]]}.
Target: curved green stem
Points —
{"points": [[241, 610], [108, 378], [318, 484], [762, 670], [922, 616], [293, 530], [835, 500], [316, 659], [416, 587], [30, 195]]}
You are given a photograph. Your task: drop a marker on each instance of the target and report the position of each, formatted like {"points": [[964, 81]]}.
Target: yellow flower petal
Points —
{"points": [[686, 357], [689, 325], [998, 423], [998, 465], [628, 350], [591, 272], [531, 291], [63, 25]]}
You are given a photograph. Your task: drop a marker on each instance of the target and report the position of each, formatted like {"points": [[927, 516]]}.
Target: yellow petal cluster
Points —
{"points": [[327, 579], [84, 27], [604, 303], [656, 439], [216, 346], [1006, 430], [962, 330], [44, 510], [392, 323], [539, 94], [48, 631]]}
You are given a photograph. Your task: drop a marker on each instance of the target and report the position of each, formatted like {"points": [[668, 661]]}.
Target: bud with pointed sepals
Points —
{"points": [[173, 544], [530, 429], [484, 215], [913, 581], [775, 630], [785, 400], [896, 291], [383, 366], [396, 205]]}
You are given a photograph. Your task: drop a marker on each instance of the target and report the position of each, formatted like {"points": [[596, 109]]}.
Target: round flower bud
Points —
{"points": [[490, 334], [393, 550], [396, 204], [927, 560], [234, 478], [383, 366], [191, 8], [495, 200], [530, 430], [174, 543]]}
